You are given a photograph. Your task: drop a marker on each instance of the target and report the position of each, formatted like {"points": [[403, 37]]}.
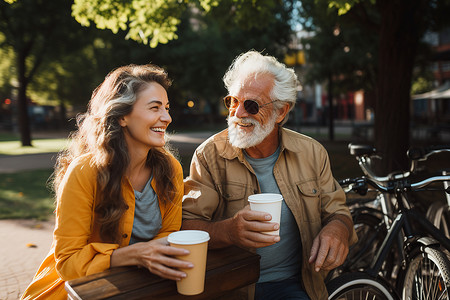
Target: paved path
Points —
{"points": [[25, 243], [15, 163]]}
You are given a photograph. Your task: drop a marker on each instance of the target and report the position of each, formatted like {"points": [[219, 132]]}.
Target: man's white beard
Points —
{"points": [[242, 139]]}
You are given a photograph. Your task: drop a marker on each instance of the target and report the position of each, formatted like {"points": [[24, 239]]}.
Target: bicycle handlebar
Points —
{"points": [[393, 186], [416, 153], [364, 153], [364, 163]]}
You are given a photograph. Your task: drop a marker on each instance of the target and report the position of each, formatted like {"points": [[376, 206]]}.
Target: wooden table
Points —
{"points": [[226, 269]]}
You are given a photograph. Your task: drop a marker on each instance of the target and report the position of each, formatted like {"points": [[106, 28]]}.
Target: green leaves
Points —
{"points": [[156, 21], [344, 6], [148, 22], [208, 4]]}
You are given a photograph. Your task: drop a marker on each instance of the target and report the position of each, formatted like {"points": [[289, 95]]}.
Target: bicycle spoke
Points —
{"points": [[418, 286], [426, 274], [435, 282]]}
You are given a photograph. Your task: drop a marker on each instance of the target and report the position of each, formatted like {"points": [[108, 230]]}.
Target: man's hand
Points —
{"points": [[246, 227], [330, 247]]}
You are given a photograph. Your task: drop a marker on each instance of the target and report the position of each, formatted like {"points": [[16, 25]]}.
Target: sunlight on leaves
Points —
{"points": [[147, 22]]}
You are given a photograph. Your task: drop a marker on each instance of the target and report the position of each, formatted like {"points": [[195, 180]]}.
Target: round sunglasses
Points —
{"points": [[251, 106]]}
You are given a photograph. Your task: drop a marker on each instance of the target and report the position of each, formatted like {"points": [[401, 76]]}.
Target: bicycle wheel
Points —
{"points": [[427, 275], [359, 286]]}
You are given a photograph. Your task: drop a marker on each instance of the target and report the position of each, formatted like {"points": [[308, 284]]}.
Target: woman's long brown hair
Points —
{"points": [[101, 135]]}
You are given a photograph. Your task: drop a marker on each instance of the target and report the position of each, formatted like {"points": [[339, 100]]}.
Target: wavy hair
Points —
{"points": [[100, 135], [253, 63]]}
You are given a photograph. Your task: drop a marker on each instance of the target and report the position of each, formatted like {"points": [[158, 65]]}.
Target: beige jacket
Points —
{"points": [[221, 180]]}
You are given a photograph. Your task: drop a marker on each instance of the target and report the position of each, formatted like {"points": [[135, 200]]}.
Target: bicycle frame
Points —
{"points": [[402, 222]]}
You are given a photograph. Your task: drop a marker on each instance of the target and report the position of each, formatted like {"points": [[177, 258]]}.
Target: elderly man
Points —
{"points": [[257, 155]]}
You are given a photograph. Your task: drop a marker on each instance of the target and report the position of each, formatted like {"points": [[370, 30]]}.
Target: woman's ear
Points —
{"points": [[123, 121]]}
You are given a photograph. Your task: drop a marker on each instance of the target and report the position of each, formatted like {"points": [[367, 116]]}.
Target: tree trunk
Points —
{"points": [[62, 120], [399, 38], [330, 108], [24, 121]]}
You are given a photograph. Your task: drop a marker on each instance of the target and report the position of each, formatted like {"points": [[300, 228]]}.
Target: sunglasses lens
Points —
{"points": [[227, 102], [251, 107]]}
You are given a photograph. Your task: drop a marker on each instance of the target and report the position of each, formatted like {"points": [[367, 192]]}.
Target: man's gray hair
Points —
{"points": [[253, 63]]}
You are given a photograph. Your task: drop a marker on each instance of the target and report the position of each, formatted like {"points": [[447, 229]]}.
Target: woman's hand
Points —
{"points": [[156, 255]]}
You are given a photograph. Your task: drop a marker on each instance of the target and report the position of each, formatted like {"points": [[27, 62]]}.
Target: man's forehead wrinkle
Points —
{"points": [[247, 86]]}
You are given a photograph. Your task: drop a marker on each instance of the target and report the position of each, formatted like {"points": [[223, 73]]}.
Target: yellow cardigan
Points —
{"points": [[77, 249]]}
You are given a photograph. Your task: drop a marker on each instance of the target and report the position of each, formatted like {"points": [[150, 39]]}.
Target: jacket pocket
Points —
{"points": [[310, 194], [234, 198], [233, 191]]}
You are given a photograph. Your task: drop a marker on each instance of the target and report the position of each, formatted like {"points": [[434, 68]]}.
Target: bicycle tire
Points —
{"points": [[428, 274], [359, 286]]}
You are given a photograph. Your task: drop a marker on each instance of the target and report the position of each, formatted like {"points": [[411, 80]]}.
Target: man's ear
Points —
{"points": [[282, 112]]}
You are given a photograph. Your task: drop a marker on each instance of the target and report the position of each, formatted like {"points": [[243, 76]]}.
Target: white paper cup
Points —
{"points": [[270, 203], [196, 241]]}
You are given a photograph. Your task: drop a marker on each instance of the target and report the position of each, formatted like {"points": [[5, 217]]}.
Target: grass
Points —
{"points": [[8, 136], [24, 195], [39, 146]]}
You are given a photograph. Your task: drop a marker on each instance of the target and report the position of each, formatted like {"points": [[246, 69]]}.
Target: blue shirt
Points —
{"points": [[147, 215], [283, 259]]}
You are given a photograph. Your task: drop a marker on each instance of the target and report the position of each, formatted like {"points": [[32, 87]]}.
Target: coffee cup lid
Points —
{"points": [[188, 237], [265, 198]]}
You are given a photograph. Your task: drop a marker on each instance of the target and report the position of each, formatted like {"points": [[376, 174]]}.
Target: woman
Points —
{"points": [[118, 190]]}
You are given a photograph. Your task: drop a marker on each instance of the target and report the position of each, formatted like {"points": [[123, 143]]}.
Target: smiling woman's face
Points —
{"points": [[145, 126]]}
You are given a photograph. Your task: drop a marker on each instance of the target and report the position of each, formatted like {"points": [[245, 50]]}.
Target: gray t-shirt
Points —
{"points": [[283, 259], [147, 215]]}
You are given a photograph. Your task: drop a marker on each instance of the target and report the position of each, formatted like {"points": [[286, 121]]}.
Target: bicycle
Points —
{"points": [[365, 154], [439, 211], [372, 212], [425, 267], [376, 212]]}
